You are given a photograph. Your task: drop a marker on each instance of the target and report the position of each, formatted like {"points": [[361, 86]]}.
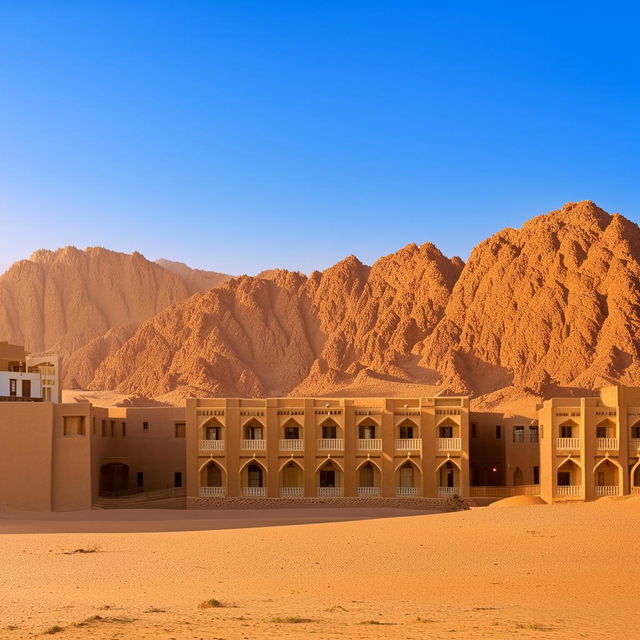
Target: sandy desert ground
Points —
{"points": [[545, 571]]}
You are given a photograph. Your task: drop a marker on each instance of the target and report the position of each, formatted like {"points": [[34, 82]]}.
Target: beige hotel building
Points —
{"points": [[328, 447]]}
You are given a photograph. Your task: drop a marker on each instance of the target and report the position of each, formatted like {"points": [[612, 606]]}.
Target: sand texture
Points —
{"points": [[546, 571]]}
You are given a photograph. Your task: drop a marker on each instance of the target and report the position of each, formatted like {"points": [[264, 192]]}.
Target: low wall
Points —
{"points": [[419, 504]]}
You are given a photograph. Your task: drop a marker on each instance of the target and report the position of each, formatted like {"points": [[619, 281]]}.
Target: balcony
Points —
{"points": [[448, 492], [569, 491], [607, 491], [212, 492], [211, 445], [331, 444], [254, 492], [253, 445], [329, 492], [369, 444], [567, 444], [607, 444], [291, 492], [290, 444], [408, 444], [368, 492], [407, 492], [634, 446], [449, 444]]}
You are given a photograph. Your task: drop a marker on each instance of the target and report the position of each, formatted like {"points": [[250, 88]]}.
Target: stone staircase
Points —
{"points": [[162, 499]]}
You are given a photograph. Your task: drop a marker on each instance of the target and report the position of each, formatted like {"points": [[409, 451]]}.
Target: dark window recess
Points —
{"points": [[498, 432], [474, 431], [140, 479], [177, 479], [536, 475], [145, 426]]}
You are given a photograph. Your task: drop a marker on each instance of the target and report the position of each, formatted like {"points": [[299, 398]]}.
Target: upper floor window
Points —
{"points": [[566, 431], [518, 434], [73, 425], [445, 432], [367, 431], [406, 432], [180, 429], [292, 433], [329, 432], [498, 432], [145, 426], [534, 436]]}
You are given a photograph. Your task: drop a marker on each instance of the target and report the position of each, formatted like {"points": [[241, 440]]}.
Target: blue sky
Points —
{"points": [[239, 136]]}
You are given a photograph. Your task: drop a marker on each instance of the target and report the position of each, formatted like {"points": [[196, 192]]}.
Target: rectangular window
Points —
{"points": [[536, 475], [213, 433], [328, 432], [140, 479], [564, 478], [145, 426], [566, 432], [406, 433], [446, 432], [474, 431], [177, 479], [635, 432], [291, 433], [124, 429], [26, 388], [73, 425], [93, 426], [534, 436], [498, 432], [601, 432], [13, 387], [113, 428], [180, 429], [601, 479], [367, 432], [518, 434], [104, 428]]}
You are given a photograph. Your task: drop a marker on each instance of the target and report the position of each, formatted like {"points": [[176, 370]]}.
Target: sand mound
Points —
{"points": [[518, 501]]}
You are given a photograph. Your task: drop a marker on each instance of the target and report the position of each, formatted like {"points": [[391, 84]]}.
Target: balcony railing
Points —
{"points": [[635, 491], [290, 492], [449, 444], [369, 444], [331, 444], [329, 492], [212, 445], [634, 446], [254, 492], [407, 492], [368, 492], [212, 492], [291, 444], [568, 444], [608, 490], [447, 492], [608, 444], [569, 491], [253, 445], [408, 444]]}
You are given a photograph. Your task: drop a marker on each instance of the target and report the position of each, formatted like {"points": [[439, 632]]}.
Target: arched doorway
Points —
{"points": [[407, 480], [606, 479], [448, 479], [518, 477], [253, 480], [212, 482], [368, 480], [114, 479], [329, 475], [291, 480], [569, 480]]}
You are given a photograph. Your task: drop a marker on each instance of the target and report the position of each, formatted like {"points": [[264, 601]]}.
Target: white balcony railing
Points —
{"points": [[634, 446], [212, 445], [253, 445], [368, 492], [447, 492], [329, 492], [406, 492], [290, 492], [212, 492], [370, 444], [569, 491], [635, 491], [608, 444], [254, 492], [290, 444], [408, 444], [608, 490], [568, 444], [449, 444], [331, 444]]}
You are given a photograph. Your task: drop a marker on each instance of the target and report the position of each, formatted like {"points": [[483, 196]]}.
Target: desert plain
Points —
{"points": [[523, 570]]}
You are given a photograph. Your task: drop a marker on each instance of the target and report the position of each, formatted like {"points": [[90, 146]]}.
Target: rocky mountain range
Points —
{"points": [[553, 304]]}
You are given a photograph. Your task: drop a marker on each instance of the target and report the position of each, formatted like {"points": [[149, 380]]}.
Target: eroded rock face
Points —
{"points": [[287, 332], [554, 303], [84, 303]]}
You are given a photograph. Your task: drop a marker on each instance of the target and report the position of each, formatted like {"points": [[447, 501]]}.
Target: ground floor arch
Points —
{"points": [[114, 478], [253, 479], [448, 479], [408, 479], [291, 479], [329, 478], [369, 479], [606, 477]]}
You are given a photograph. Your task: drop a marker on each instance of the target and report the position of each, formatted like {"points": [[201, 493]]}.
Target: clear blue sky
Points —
{"points": [[238, 136]]}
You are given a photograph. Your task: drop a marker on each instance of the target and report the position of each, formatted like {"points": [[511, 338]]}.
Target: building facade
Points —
{"points": [[590, 446], [28, 378], [328, 447]]}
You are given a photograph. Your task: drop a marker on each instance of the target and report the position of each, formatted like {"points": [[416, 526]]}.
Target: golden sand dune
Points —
{"points": [[551, 571]]}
